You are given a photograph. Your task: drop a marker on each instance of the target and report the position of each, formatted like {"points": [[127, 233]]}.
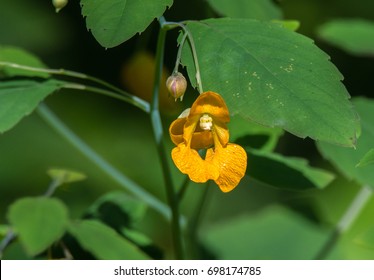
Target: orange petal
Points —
{"points": [[189, 162], [222, 132], [176, 130], [231, 162], [211, 103]]}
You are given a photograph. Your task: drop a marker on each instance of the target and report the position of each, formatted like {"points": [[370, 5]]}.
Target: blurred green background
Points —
{"points": [[272, 223]]}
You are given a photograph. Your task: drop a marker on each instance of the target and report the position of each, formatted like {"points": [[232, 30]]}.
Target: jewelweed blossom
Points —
{"points": [[204, 127]]}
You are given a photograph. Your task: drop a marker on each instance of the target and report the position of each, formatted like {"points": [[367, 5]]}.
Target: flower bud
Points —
{"points": [[176, 84], [59, 4]]}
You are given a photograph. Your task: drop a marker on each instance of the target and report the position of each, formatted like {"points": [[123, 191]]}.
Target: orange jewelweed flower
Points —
{"points": [[204, 127]]}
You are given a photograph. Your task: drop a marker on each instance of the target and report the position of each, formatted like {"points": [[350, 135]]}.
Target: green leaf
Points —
{"points": [[255, 9], [345, 160], [103, 242], [112, 22], [292, 25], [118, 210], [38, 221], [367, 159], [286, 172], [273, 76], [14, 55], [65, 176], [19, 98], [275, 233], [355, 36]]}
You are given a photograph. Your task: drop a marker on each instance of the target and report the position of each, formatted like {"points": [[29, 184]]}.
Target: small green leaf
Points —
{"points": [[103, 242], [14, 55], [367, 159], [38, 222], [345, 160], [112, 22], [355, 36], [286, 173], [118, 210], [254, 9], [19, 98], [65, 176], [275, 233], [272, 76]]}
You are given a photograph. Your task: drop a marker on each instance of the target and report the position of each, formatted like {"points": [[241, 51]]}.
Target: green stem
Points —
{"points": [[114, 173], [158, 135], [345, 221], [169, 25], [179, 54], [136, 101], [195, 221]]}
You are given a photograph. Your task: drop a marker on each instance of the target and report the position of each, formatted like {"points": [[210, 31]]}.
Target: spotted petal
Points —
{"points": [[231, 161], [189, 162]]}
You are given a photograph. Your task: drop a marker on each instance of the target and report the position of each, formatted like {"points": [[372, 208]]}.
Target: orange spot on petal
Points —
{"points": [[231, 162], [189, 162]]}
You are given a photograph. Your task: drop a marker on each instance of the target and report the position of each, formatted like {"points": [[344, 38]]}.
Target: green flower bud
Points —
{"points": [[176, 85], [59, 4]]}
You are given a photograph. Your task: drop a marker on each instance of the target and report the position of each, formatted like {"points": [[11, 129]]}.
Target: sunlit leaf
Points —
{"points": [[18, 98], [103, 242], [14, 55], [285, 172], [355, 36], [292, 25], [38, 222], [275, 233], [345, 160], [273, 76], [112, 22], [118, 210], [65, 176], [255, 9], [367, 159]]}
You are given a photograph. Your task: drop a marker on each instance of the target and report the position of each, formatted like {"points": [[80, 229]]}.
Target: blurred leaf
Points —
{"points": [[273, 76], [255, 9], [4, 229], [286, 172], [19, 98], [366, 238], [22, 57], [143, 242], [38, 221], [112, 22], [355, 36], [367, 159], [118, 210], [65, 176], [275, 233], [103, 242], [253, 135], [344, 159]]}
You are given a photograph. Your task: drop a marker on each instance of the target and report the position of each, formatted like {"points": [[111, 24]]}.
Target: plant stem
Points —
{"points": [[137, 102], [158, 135], [345, 221], [114, 173], [170, 24], [127, 97]]}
